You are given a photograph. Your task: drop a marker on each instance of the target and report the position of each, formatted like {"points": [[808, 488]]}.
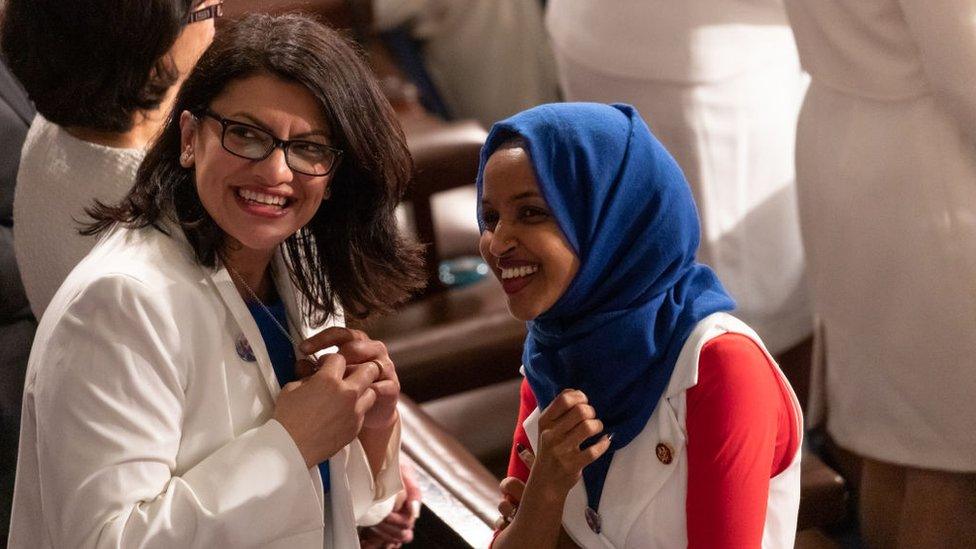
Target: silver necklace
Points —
{"points": [[237, 276]]}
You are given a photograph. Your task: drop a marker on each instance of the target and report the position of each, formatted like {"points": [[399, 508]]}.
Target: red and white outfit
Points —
{"points": [[718, 463]]}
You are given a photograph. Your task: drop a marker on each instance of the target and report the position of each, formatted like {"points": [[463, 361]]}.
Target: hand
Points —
{"points": [[325, 411], [359, 350], [566, 423], [397, 528], [512, 489]]}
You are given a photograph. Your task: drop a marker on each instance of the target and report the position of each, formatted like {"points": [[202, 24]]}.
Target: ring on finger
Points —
{"points": [[379, 367]]}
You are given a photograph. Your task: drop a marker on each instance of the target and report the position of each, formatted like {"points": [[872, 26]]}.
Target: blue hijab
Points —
{"points": [[625, 208]]}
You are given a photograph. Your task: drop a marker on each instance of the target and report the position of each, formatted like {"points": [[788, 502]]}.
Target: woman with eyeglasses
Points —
{"points": [[103, 75], [191, 384]]}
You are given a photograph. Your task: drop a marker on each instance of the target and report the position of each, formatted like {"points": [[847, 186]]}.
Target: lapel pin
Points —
{"points": [[244, 349], [664, 454], [593, 520]]}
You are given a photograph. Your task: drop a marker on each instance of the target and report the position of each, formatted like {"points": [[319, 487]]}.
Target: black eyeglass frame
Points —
{"points": [[276, 143], [214, 11]]}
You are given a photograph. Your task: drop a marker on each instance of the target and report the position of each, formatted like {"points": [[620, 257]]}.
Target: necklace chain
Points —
{"points": [[237, 276]]}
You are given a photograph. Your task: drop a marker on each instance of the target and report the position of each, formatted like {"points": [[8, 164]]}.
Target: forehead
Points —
{"points": [[509, 174], [273, 99]]}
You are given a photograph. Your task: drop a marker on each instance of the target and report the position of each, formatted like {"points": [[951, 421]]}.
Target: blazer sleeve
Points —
{"points": [[109, 403], [945, 34], [373, 498]]}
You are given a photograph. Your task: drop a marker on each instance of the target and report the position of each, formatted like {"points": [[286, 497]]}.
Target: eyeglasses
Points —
{"points": [[254, 143], [210, 12]]}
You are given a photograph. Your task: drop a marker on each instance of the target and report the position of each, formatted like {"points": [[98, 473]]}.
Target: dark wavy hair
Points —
{"points": [[93, 63], [351, 252]]}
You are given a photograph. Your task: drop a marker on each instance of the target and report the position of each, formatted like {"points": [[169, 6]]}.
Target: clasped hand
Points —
{"points": [[342, 393]]}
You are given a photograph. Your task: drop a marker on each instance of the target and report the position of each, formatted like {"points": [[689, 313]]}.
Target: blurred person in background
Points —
{"points": [[719, 83], [886, 179], [103, 75]]}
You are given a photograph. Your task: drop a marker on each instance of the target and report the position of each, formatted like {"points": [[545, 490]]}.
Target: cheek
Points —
{"points": [[484, 243]]}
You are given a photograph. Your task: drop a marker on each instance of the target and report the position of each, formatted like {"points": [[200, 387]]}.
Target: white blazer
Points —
{"points": [[143, 426], [643, 501]]}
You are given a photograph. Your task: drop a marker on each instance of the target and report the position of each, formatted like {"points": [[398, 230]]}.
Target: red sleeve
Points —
{"points": [[527, 404], [742, 430]]}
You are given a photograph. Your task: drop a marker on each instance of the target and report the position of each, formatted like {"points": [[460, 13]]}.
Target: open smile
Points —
{"points": [[515, 278], [261, 203]]}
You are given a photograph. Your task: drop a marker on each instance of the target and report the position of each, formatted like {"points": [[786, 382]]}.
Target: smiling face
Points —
{"points": [[257, 203], [522, 242]]}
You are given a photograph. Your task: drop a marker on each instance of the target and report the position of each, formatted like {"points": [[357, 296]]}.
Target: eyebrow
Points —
{"points": [[257, 122], [516, 198]]}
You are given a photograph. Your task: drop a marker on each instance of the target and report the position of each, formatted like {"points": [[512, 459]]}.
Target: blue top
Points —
{"points": [[281, 352], [625, 208]]}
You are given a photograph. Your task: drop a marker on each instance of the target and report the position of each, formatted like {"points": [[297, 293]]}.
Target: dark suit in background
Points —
{"points": [[17, 324]]}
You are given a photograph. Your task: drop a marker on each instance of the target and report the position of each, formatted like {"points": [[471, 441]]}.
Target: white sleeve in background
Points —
{"points": [[945, 32], [108, 401]]}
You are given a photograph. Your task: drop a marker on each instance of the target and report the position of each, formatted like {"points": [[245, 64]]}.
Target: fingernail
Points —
{"points": [[415, 506], [610, 437]]}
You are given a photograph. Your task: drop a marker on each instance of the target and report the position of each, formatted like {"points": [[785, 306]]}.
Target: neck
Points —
{"points": [[250, 267]]}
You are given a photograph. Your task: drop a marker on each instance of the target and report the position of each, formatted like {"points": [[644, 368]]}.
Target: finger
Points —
{"points": [[291, 386], [365, 402], [332, 366], [386, 388], [379, 533], [362, 376], [368, 540], [525, 454], [507, 509], [397, 521], [573, 417], [329, 337], [394, 534], [362, 350], [593, 453], [512, 488], [305, 368], [583, 431], [563, 402]]}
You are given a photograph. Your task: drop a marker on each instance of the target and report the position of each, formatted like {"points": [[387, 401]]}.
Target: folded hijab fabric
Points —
{"points": [[626, 210]]}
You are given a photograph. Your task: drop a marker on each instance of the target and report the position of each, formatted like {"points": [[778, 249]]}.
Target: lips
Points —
{"points": [[516, 275], [262, 204]]}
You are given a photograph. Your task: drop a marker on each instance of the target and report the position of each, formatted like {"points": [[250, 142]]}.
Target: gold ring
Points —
{"points": [[378, 366]]}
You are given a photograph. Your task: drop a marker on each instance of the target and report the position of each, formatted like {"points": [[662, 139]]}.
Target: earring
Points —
{"points": [[186, 158], [327, 194]]}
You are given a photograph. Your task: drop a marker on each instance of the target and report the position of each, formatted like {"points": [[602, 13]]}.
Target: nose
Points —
{"points": [[273, 170], [502, 241]]}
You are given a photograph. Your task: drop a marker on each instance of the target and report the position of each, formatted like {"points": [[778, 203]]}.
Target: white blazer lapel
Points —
{"points": [[246, 326]]}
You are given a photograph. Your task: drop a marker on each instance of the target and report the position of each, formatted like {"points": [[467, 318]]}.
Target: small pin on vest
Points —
{"points": [[664, 454]]}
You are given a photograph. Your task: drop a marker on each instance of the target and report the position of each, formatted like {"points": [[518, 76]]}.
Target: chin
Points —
{"points": [[520, 312]]}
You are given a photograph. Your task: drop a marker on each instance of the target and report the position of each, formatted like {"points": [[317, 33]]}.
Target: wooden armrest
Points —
{"points": [[457, 488]]}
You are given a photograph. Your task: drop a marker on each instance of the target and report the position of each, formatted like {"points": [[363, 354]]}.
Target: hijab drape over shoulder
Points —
{"points": [[626, 210]]}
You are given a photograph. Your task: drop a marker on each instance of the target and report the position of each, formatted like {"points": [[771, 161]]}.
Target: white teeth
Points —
{"points": [[516, 272], [262, 198]]}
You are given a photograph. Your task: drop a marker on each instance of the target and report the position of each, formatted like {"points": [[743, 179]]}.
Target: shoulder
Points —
{"points": [[733, 366], [144, 263]]}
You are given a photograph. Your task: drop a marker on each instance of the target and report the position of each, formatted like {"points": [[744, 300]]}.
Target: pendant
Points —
{"points": [[593, 520], [244, 349]]}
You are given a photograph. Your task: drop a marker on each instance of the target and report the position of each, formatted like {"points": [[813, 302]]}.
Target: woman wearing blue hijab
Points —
{"points": [[647, 409]]}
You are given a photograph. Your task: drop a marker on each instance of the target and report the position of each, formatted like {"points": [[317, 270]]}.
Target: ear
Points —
{"points": [[188, 136]]}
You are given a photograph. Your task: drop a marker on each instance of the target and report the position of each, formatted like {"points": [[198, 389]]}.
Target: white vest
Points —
{"points": [[643, 501]]}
